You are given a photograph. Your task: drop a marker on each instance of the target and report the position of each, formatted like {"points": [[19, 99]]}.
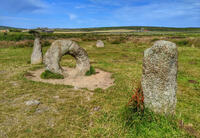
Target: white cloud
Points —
{"points": [[72, 16]]}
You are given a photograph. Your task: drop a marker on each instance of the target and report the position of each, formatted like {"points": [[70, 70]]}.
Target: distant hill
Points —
{"points": [[7, 27], [132, 28], [149, 28]]}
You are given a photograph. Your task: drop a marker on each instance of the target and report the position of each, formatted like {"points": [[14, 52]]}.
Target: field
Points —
{"points": [[67, 112]]}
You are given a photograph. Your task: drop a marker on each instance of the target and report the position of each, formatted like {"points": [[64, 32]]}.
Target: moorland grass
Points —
{"points": [[50, 75], [91, 71], [66, 112]]}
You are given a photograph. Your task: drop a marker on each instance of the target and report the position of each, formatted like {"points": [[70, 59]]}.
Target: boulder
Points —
{"points": [[36, 57], [100, 43], [159, 77], [60, 48]]}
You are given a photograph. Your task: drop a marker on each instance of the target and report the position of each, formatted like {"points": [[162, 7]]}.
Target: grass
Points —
{"points": [[50, 75], [150, 121], [91, 71], [66, 112]]}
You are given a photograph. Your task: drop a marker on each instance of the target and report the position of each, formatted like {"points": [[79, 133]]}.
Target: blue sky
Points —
{"points": [[99, 13]]}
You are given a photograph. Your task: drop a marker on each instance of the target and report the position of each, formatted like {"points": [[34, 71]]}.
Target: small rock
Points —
{"points": [[56, 97], [100, 43], [14, 83], [32, 102], [190, 125], [97, 108], [76, 88]]}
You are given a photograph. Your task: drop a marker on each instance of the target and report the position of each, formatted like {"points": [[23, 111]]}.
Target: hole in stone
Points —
{"points": [[68, 61]]}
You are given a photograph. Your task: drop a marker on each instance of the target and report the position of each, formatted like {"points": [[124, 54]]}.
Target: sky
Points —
{"points": [[99, 13]]}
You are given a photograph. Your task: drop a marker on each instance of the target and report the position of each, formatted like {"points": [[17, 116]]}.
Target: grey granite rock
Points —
{"points": [[32, 102], [159, 77], [100, 43], [36, 57], [61, 47]]}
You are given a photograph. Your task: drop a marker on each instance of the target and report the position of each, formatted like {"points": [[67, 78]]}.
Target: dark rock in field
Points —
{"points": [[36, 57], [100, 43], [159, 77], [60, 48], [32, 102]]}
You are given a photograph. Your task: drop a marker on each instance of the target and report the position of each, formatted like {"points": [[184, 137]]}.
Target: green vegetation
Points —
{"points": [[138, 124], [134, 28], [182, 42], [120, 27], [91, 71], [66, 112], [50, 75]]}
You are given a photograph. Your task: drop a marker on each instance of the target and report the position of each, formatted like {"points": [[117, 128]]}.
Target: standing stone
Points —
{"points": [[100, 43], [36, 57], [159, 77], [60, 48]]}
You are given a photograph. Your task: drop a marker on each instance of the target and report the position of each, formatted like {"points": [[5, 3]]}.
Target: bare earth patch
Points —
{"points": [[101, 79]]}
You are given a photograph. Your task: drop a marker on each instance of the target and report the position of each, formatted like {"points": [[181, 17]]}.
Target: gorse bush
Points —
{"points": [[50, 75], [91, 71]]}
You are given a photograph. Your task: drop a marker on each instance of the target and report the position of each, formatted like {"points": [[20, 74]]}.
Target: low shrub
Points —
{"points": [[45, 43], [91, 71], [115, 42], [182, 42], [50, 75], [155, 39], [136, 102]]}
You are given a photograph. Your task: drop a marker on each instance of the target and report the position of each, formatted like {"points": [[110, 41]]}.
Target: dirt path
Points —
{"points": [[101, 79]]}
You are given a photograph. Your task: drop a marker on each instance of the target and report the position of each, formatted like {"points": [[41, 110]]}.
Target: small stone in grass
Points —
{"points": [[32, 102]]}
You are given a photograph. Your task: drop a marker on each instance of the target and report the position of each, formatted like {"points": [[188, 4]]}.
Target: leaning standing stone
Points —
{"points": [[159, 77], [100, 43], [36, 57]]}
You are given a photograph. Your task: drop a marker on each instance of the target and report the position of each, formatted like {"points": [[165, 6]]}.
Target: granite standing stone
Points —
{"points": [[60, 48], [36, 57], [159, 77]]}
